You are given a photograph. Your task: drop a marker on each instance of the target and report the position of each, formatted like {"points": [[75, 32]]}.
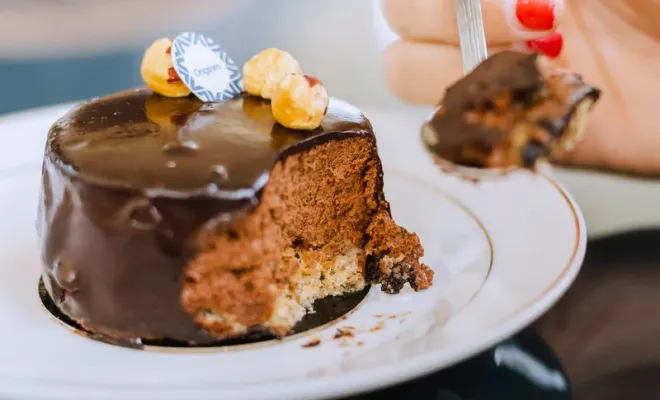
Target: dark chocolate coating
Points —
{"points": [[448, 132], [128, 182], [507, 70]]}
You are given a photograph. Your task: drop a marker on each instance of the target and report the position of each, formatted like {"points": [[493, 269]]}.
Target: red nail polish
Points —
{"points": [[550, 45], [536, 15]]}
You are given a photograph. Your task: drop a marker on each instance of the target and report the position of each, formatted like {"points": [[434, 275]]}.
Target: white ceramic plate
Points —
{"points": [[504, 251]]}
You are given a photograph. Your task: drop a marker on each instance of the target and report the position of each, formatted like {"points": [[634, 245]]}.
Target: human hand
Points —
{"points": [[614, 45]]}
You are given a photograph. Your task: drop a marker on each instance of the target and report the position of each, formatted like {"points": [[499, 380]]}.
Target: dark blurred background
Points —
{"points": [[32, 83], [64, 50]]}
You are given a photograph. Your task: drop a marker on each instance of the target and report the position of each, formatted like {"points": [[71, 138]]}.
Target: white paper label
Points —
{"points": [[205, 67]]}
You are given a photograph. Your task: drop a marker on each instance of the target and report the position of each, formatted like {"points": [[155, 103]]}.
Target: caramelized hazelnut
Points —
{"points": [[300, 102], [158, 71], [263, 72]]}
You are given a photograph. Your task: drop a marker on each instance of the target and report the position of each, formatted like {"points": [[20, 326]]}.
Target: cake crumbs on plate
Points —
{"points": [[344, 332], [393, 316], [379, 326], [312, 343]]}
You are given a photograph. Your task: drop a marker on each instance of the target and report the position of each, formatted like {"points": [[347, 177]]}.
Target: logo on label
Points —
{"points": [[205, 68]]}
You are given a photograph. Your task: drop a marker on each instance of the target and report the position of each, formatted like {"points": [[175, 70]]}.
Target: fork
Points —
{"points": [[472, 37]]}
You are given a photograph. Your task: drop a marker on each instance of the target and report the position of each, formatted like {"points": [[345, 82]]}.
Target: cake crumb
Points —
{"points": [[393, 316], [312, 343], [344, 332], [379, 326], [360, 343]]}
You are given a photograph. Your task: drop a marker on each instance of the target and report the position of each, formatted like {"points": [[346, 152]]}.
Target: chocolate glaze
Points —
{"points": [[184, 147], [127, 181], [447, 133]]}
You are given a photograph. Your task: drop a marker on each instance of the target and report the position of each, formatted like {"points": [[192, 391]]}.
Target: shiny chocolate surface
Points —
{"points": [[183, 147]]}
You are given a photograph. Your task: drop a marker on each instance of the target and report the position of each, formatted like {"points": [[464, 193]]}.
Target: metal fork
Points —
{"points": [[471, 33]]}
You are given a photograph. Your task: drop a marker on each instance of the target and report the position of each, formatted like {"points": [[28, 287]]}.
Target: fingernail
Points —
{"points": [[536, 15], [549, 46]]}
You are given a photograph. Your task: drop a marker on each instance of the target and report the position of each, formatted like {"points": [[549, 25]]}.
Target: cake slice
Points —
{"points": [[512, 110], [170, 218]]}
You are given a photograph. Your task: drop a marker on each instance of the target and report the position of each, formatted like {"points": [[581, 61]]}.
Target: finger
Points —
{"points": [[505, 21], [419, 73]]}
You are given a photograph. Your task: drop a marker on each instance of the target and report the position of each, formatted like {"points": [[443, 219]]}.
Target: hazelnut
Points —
{"points": [[262, 73], [158, 71], [300, 102]]}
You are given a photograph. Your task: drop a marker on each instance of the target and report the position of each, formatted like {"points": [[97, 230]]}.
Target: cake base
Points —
{"points": [[328, 311]]}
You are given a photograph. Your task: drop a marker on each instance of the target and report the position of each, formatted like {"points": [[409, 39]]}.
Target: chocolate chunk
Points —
{"points": [[480, 121]]}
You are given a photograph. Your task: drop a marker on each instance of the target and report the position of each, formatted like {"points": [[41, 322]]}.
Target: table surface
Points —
{"points": [[604, 332]]}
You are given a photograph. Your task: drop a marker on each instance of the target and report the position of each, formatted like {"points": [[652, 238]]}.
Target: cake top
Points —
{"points": [[183, 147], [506, 70]]}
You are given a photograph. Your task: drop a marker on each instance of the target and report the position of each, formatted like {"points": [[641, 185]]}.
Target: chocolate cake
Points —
{"points": [[171, 218], [513, 109]]}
